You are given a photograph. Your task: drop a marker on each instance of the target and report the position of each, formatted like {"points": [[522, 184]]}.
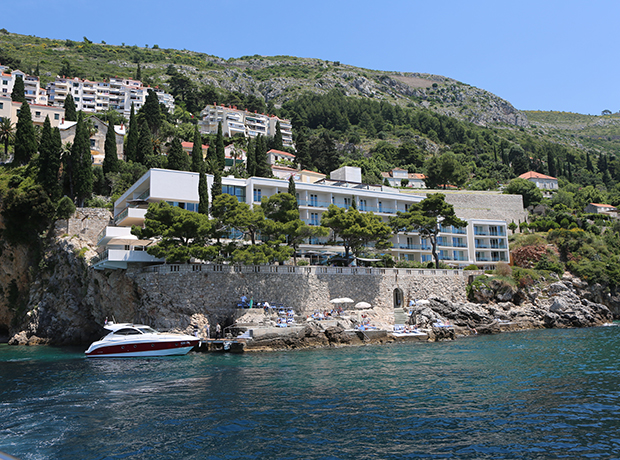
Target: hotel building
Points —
{"points": [[482, 242]]}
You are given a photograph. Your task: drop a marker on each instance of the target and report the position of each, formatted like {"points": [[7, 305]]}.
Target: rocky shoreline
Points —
{"points": [[562, 304]]}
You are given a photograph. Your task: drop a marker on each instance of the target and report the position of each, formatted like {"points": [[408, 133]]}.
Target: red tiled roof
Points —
{"points": [[535, 175], [190, 145], [279, 152], [602, 205]]}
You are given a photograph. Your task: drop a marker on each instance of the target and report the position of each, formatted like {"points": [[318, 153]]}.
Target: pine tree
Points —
{"points": [[81, 159], [69, 106], [145, 144], [220, 152], [131, 148], [19, 93], [277, 139], [110, 161], [197, 160], [49, 160], [177, 158], [203, 193], [25, 136], [251, 158]]}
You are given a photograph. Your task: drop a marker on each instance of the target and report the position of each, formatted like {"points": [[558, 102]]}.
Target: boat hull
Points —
{"points": [[141, 349]]}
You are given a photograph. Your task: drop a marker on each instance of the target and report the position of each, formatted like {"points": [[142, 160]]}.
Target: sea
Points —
{"points": [[529, 395]]}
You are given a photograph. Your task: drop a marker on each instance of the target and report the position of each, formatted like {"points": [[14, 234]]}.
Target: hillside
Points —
{"points": [[275, 79]]}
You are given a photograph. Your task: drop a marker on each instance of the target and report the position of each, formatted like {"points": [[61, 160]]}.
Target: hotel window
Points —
{"points": [[314, 218], [56, 116], [406, 207], [347, 203], [258, 195], [362, 205], [314, 200], [5, 82], [4, 90], [37, 114], [380, 207], [1, 105]]}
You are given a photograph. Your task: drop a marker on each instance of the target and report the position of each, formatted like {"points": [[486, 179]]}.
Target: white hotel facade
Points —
{"points": [[482, 242]]}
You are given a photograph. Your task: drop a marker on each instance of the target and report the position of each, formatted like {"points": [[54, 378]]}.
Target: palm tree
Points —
{"points": [[6, 134]]}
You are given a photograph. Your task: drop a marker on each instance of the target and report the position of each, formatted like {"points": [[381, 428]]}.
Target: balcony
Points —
{"points": [[108, 234], [416, 247], [129, 217], [119, 258]]}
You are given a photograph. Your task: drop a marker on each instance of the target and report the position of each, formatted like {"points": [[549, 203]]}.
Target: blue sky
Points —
{"points": [[538, 55]]}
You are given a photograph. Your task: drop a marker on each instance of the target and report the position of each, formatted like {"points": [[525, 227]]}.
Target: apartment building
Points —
{"points": [[241, 122], [32, 87], [483, 242], [94, 96]]}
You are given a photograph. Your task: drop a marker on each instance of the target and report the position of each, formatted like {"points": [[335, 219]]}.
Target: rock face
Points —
{"points": [[556, 306]]}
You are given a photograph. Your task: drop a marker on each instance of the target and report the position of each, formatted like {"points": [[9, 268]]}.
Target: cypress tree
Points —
{"points": [[110, 161], [151, 112], [260, 151], [25, 136], [49, 160], [69, 106], [145, 144], [220, 153], [251, 158], [197, 160], [216, 188], [81, 159], [177, 158], [303, 152], [292, 190], [203, 193], [131, 149], [589, 165], [277, 139], [138, 73], [19, 93], [551, 164]]}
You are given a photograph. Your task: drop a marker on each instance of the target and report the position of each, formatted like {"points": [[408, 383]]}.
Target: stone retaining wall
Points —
{"points": [[181, 296]]}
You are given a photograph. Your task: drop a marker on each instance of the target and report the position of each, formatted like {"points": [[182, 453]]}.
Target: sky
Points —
{"points": [[537, 54]]}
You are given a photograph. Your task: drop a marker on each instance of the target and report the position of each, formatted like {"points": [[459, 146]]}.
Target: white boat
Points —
{"points": [[127, 340]]}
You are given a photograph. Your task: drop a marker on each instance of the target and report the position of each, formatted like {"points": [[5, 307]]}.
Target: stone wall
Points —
{"points": [[175, 300]]}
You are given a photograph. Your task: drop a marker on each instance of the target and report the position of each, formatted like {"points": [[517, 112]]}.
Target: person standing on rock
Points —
{"points": [[208, 336], [218, 331]]}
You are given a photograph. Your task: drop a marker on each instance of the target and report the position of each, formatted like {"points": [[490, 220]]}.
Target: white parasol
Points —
{"points": [[362, 305], [342, 300]]}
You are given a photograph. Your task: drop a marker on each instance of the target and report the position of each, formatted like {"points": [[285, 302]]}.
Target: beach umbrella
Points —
{"points": [[362, 305], [342, 300]]}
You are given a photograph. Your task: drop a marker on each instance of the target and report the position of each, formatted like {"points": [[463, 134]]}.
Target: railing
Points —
{"points": [[121, 216], [415, 246], [99, 257], [290, 269]]}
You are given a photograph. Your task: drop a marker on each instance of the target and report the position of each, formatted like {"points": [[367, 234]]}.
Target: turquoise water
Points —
{"points": [[539, 394]]}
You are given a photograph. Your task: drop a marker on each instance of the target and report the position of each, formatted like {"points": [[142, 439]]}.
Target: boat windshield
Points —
{"points": [[147, 330]]}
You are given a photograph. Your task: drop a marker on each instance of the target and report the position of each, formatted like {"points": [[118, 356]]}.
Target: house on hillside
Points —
{"points": [[97, 140], [396, 176], [189, 146], [546, 183], [598, 208]]}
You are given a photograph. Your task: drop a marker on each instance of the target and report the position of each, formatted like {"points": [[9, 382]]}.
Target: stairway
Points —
{"points": [[400, 316]]}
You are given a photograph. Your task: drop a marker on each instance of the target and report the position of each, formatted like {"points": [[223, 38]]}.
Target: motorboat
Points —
{"points": [[127, 340]]}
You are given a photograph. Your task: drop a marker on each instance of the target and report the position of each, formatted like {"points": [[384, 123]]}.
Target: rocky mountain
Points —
{"points": [[275, 79]]}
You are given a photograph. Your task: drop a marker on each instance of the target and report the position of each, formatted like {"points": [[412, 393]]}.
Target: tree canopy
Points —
{"points": [[427, 217]]}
